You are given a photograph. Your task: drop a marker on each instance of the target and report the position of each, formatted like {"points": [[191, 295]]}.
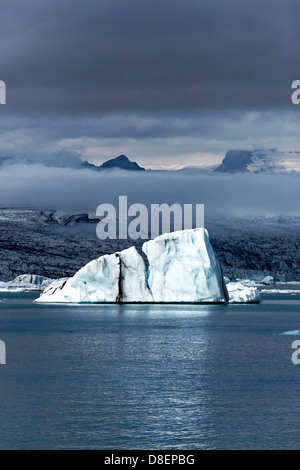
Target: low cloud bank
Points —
{"points": [[80, 190]]}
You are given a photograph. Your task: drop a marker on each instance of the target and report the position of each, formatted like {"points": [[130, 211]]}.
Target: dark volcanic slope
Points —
{"points": [[55, 245], [48, 243], [259, 247]]}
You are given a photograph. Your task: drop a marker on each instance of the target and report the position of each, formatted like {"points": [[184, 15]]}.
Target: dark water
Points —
{"points": [[149, 377]]}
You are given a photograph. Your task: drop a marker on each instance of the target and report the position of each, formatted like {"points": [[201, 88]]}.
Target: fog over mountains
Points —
{"points": [[260, 161]]}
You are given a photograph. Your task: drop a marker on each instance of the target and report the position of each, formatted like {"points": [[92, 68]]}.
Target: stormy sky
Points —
{"points": [[169, 83]]}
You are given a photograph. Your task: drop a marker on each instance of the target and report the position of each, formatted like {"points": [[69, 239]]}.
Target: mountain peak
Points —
{"points": [[121, 162], [121, 158]]}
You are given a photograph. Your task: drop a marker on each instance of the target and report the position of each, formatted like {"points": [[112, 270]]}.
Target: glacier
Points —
{"points": [[177, 267]]}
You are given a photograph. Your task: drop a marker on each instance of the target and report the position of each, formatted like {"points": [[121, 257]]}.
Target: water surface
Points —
{"points": [[149, 376]]}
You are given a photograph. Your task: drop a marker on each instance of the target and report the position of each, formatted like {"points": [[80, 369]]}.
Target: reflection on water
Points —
{"points": [[148, 377]]}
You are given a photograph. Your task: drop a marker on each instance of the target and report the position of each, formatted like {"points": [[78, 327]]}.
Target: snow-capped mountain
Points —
{"points": [[260, 161]]}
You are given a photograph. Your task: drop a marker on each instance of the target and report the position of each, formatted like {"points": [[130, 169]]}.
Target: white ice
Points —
{"points": [[184, 268], [238, 293], [25, 282], [175, 267]]}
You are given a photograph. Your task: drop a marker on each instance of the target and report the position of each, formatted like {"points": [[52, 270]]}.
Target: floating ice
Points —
{"points": [[26, 282], [241, 294], [292, 333], [175, 267]]}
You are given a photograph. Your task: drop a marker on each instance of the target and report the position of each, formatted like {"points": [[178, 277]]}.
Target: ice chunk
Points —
{"points": [[26, 282], [268, 280], [292, 333], [241, 294], [31, 280]]}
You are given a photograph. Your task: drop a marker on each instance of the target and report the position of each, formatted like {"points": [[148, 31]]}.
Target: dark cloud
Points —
{"points": [[75, 57], [173, 81]]}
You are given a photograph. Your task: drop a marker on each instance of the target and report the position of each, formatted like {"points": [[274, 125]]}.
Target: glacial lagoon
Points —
{"points": [[149, 376]]}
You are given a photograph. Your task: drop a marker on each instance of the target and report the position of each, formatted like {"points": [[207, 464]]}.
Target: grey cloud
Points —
{"points": [[150, 79], [172, 56], [152, 141], [60, 159]]}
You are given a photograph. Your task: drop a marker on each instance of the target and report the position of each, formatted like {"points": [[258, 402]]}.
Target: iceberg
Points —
{"points": [[238, 293], [26, 283], [177, 267]]}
